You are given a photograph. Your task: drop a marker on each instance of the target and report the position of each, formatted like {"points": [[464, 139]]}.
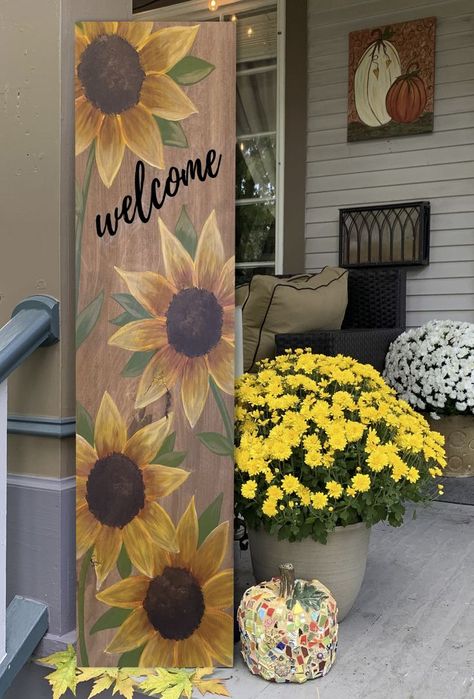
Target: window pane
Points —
{"points": [[256, 35], [256, 168], [256, 102], [246, 274], [255, 232]]}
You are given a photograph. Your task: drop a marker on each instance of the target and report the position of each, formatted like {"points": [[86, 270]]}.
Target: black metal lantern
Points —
{"points": [[385, 235]]}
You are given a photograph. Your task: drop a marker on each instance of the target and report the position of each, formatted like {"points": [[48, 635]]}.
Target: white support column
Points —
{"points": [[3, 515]]}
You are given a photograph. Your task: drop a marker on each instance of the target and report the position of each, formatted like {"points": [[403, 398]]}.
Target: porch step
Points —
{"points": [[26, 624]]}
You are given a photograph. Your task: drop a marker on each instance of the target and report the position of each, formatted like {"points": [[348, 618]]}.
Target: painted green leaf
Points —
{"points": [[130, 658], [217, 443], [190, 70], [307, 595], [84, 424], [87, 319], [137, 363], [111, 619], [130, 304], [186, 233], [173, 458], [124, 565], [210, 518], [168, 444], [123, 319], [172, 133]]}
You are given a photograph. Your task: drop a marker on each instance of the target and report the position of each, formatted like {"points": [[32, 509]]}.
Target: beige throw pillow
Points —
{"points": [[296, 304]]}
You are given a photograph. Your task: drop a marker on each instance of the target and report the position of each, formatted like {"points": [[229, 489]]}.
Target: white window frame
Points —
{"points": [[197, 10]]}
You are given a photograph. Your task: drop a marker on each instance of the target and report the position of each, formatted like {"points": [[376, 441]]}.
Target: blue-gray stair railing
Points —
{"points": [[34, 323]]}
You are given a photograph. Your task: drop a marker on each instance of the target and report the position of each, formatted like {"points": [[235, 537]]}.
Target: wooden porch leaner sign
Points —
{"points": [[155, 114]]}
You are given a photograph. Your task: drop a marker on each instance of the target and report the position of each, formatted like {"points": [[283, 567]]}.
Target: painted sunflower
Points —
{"points": [[192, 324], [116, 489], [177, 611], [121, 83]]}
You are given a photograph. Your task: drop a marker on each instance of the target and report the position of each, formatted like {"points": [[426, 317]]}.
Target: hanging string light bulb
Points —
{"points": [[249, 31], [233, 18], [212, 5]]}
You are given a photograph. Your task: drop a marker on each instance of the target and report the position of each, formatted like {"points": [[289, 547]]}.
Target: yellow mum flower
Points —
{"points": [[361, 482], [269, 507], [413, 475], [249, 489], [290, 484], [334, 489], [350, 491], [319, 500], [305, 496], [274, 492]]}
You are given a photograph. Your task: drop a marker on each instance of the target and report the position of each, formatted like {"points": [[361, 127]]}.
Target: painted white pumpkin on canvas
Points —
{"points": [[376, 71]]}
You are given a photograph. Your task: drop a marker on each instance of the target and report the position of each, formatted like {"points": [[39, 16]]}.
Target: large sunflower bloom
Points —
{"points": [[121, 82], [116, 489], [192, 323], [177, 612]]}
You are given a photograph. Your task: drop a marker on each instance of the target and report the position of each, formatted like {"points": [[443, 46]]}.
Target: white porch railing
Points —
{"points": [[34, 322]]}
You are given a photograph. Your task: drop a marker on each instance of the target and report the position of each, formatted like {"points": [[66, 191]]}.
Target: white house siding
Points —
{"points": [[438, 167]]}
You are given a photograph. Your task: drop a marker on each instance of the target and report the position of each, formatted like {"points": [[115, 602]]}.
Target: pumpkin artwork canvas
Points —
{"points": [[391, 80]]}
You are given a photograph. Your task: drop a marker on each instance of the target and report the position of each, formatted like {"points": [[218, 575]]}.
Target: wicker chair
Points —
{"points": [[375, 316]]}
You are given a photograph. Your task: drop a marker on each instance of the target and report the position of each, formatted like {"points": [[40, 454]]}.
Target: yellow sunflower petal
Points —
{"points": [[188, 532], [145, 443], [219, 590], [87, 529], [94, 29], [126, 594], [208, 558], [134, 632], [81, 42], [109, 150], [139, 546], [81, 484], [217, 630], [142, 135], [221, 365], [162, 480], [153, 291], [110, 433], [136, 33], [158, 652], [78, 89], [88, 121], [194, 388], [165, 47], [163, 97], [225, 292], [160, 375], [106, 552], [228, 325], [86, 456], [209, 259], [159, 526], [141, 335], [192, 652], [178, 263]]}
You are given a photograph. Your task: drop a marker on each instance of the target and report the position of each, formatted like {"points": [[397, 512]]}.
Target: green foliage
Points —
{"points": [[186, 233], [217, 443], [87, 319], [172, 133], [84, 424], [307, 595], [210, 518], [131, 305], [137, 363], [190, 70], [124, 564], [111, 619]]}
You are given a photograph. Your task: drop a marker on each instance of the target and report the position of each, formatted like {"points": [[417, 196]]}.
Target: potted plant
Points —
{"points": [[324, 450], [432, 367]]}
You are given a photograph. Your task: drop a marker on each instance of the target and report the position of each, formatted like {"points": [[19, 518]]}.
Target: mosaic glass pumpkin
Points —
{"points": [[288, 628]]}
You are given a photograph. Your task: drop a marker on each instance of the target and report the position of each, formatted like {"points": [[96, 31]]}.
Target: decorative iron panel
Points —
{"points": [[390, 234]]}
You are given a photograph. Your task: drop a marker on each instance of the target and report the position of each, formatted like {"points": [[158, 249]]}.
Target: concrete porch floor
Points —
{"points": [[410, 634]]}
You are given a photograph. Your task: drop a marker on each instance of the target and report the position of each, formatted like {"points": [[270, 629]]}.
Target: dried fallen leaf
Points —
{"points": [[209, 686]]}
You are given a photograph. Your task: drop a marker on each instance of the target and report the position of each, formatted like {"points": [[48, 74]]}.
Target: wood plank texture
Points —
{"points": [[438, 167]]}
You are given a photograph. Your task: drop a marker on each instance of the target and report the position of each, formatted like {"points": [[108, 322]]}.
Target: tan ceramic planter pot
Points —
{"points": [[339, 564], [458, 431]]}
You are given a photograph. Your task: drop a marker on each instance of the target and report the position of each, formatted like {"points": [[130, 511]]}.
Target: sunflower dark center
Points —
{"points": [[174, 603], [194, 322], [111, 74], [115, 490]]}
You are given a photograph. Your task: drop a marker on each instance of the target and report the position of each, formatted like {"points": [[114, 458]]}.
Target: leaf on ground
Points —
{"points": [[100, 685], [209, 686], [170, 685], [64, 677], [124, 684]]}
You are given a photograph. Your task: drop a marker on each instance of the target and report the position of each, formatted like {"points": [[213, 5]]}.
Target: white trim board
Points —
{"points": [[20, 480]]}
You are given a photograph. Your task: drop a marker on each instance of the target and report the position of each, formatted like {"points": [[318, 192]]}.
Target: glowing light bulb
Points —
{"points": [[249, 31], [233, 18], [213, 5]]}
